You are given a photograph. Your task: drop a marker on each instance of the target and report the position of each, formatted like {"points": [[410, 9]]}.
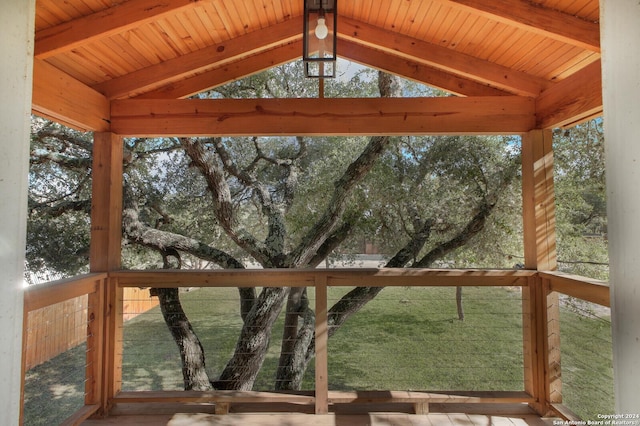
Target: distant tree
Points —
{"points": [[581, 200], [281, 203]]}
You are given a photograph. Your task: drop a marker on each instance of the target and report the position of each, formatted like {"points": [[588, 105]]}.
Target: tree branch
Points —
{"points": [[222, 200]]}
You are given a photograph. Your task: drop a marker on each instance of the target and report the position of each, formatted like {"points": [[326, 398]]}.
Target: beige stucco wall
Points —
{"points": [[16, 47], [620, 34]]}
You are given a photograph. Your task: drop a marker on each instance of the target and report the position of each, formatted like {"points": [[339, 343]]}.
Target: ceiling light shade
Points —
{"points": [[319, 38]]}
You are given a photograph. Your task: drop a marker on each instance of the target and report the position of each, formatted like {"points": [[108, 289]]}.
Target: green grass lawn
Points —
{"points": [[407, 338], [587, 360]]}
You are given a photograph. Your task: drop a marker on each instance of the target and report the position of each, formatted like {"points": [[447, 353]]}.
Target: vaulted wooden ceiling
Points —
{"points": [[122, 66]]}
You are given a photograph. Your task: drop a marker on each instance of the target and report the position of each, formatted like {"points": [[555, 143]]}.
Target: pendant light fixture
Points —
{"points": [[319, 38]]}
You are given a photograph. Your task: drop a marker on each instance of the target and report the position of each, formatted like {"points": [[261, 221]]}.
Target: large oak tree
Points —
{"points": [[279, 203]]}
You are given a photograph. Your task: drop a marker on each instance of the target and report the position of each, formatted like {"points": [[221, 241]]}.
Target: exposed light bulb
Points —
{"points": [[321, 29]]}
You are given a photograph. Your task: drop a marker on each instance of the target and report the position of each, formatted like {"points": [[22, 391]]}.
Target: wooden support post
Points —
{"points": [[538, 201], [106, 203], [322, 337], [540, 307], [106, 236], [222, 408], [421, 407], [553, 373], [95, 345]]}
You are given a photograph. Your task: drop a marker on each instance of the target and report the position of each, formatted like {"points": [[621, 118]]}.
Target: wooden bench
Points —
{"points": [[419, 400]]}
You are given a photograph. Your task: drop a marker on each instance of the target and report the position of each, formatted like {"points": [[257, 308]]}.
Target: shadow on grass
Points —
{"points": [[54, 390]]}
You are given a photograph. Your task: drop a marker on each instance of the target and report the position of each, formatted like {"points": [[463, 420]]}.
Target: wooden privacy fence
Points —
{"points": [[540, 334], [57, 328]]}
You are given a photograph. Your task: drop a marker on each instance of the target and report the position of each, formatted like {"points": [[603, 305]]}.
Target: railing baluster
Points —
{"points": [[95, 344], [322, 335]]}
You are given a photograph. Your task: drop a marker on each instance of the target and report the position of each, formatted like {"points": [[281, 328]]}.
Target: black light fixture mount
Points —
{"points": [[319, 38]]}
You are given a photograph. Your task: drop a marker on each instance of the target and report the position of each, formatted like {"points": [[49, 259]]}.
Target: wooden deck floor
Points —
{"points": [[450, 415]]}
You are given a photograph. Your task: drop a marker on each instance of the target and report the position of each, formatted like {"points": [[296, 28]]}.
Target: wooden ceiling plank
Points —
{"points": [[175, 36], [260, 9], [572, 100], [413, 19], [70, 64], [228, 15], [478, 29], [557, 58], [183, 66], [228, 73], [273, 10], [217, 26], [518, 56], [508, 37], [56, 95], [415, 71], [535, 18], [117, 19], [389, 16], [44, 17], [106, 59], [401, 16], [322, 116], [126, 49], [440, 57], [188, 25], [451, 26], [205, 27], [574, 66]]}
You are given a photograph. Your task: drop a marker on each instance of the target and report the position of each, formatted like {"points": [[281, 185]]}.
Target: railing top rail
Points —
{"points": [[43, 295], [369, 277], [591, 290]]}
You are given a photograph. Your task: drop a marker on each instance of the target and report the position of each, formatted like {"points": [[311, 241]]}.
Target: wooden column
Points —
{"points": [[106, 203], [541, 313], [321, 341], [621, 85], [538, 201], [16, 48], [105, 253]]}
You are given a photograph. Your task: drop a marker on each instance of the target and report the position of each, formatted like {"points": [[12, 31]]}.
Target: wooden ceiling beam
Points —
{"points": [[358, 53], [538, 19], [572, 100], [216, 56], [439, 57], [414, 70], [61, 98], [116, 19], [227, 73], [322, 116]]}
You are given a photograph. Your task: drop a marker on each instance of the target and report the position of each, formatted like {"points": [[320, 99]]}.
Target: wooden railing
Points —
{"points": [[581, 288], [321, 280], [539, 318], [46, 295], [63, 325]]}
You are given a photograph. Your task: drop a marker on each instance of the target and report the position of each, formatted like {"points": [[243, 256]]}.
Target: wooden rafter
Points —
{"points": [[56, 96], [540, 20], [227, 73], [414, 70], [216, 56], [119, 18], [442, 58], [572, 100]]}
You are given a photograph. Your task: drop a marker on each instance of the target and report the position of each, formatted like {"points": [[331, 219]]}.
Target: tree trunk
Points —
{"points": [[191, 352], [251, 349], [459, 303], [296, 341]]}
